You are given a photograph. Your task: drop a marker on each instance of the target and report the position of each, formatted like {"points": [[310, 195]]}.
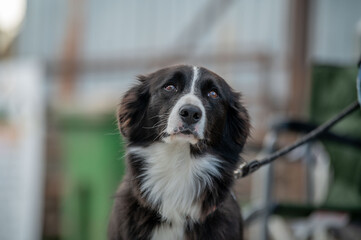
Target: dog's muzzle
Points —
{"points": [[186, 120]]}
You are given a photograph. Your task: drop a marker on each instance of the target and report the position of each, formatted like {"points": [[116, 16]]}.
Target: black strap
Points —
{"points": [[247, 168]]}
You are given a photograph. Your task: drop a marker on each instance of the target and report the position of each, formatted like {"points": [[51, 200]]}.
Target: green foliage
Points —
{"points": [[333, 89]]}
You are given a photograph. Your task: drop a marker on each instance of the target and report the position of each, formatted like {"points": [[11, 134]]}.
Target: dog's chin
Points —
{"points": [[181, 137]]}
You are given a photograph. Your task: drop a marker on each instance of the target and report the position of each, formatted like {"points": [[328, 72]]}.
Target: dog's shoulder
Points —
{"points": [[131, 218]]}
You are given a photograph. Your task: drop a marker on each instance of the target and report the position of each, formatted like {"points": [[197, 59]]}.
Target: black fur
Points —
{"points": [[227, 128]]}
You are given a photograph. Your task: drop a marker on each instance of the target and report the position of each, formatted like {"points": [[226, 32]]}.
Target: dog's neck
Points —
{"points": [[173, 181]]}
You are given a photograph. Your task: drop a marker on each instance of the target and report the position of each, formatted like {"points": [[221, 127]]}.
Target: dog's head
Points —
{"points": [[184, 104]]}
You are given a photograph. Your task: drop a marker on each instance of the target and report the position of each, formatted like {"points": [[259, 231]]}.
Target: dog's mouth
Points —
{"points": [[183, 133], [186, 130]]}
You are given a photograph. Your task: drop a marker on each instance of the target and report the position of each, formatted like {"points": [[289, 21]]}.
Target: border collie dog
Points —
{"points": [[185, 129]]}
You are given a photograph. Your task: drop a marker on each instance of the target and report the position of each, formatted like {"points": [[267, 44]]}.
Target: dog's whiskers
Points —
{"points": [[158, 124], [160, 115], [155, 126], [160, 134]]}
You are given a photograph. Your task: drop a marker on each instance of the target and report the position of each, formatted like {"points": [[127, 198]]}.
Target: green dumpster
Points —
{"points": [[93, 165]]}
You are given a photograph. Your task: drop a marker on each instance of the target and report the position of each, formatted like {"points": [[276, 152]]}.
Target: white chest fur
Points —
{"points": [[167, 232], [173, 180]]}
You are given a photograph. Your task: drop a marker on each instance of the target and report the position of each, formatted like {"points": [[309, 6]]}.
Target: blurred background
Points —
{"points": [[64, 65]]}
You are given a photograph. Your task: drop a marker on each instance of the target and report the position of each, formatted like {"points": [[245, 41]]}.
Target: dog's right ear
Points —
{"points": [[133, 106]]}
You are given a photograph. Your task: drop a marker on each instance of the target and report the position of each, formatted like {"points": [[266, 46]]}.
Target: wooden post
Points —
{"points": [[71, 46], [299, 67]]}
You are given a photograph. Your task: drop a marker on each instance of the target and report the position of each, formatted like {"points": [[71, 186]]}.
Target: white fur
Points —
{"points": [[167, 232], [194, 78], [175, 121], [174, 180]]}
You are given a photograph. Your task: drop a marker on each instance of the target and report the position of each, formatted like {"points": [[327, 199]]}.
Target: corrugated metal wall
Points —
{"points": [[243, 41]]}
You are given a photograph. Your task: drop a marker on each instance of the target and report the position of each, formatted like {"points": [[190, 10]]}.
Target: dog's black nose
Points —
{"points": [[190, 114]]}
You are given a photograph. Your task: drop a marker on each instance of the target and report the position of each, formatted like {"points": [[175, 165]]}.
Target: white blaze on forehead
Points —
{"points": [[174, 121], [194, 78]]}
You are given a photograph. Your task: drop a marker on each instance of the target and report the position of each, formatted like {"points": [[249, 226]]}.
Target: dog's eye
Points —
{"points": [[170, 88], [213, 94]]}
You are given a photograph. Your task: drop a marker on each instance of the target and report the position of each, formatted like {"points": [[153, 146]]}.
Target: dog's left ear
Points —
{"points": [[133, 107], [238, 126]]}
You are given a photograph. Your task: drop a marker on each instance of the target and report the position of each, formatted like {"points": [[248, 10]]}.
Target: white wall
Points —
{"points": [[22, 132], [334, 35]]}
